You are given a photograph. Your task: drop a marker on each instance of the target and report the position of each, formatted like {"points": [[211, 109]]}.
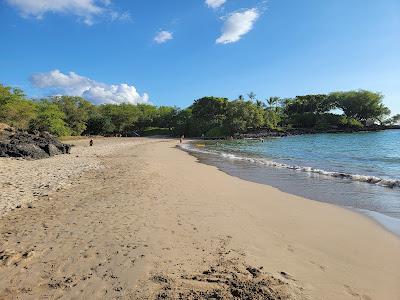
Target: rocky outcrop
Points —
{"points": [[264, 133], [33, 145]]}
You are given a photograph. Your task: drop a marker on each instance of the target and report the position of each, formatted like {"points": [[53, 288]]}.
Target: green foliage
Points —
{"points": [[242, 116], [18, 113], [212, 116], [9, 94], [76, 111], [315, 104], [395, 120], [328, 121], [165, 116], [183, 123], [361, 105], [303, 120], [124, 117], [272, 118], [353, 123], [50, 118], [273, 102], [207, 113], [15, 110], [147, 115], [99, 124], [151, 131], [216, 132]]}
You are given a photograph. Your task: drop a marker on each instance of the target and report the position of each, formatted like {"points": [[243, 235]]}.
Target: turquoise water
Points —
{"points": [[360, 171]]}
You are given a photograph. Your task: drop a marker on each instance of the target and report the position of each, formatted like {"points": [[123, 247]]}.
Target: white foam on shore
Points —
{"points": [[390, 183]]}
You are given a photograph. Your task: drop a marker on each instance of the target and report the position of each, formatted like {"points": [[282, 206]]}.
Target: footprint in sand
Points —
{"points": [[322, 268], [11, 257], [353, 293], [290, 248]]}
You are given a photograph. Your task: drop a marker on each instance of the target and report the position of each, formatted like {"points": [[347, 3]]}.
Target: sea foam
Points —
{"points": [[385, 182]]}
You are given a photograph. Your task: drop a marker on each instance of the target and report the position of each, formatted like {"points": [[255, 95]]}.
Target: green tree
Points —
{"points": [[394, 120], [76, 110], [50, 118], [242, 116], [361, 105], [315, 104], [165, 117], [207, 113], [15, 109], [272, 118], [148, 114], [182, 123], [99, 123], [261, 104], [273, 102], [123, 117], [18, 113], [9, 94], [252, 96]]}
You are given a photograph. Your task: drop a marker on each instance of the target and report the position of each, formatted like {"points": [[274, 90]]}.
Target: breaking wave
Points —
{"points": [[390, 183]]}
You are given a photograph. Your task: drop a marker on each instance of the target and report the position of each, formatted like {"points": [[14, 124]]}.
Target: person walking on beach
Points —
{"points": [[91, 143], [182, 137]]}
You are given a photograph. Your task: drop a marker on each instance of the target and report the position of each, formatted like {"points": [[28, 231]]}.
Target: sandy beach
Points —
{"points": [[141, 219]]}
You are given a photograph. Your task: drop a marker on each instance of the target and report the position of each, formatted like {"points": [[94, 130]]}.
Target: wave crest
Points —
{"points": [[390, 183]]}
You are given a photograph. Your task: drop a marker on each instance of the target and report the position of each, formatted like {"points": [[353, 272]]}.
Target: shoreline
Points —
{"points": [[154, 221], [389, 223]]}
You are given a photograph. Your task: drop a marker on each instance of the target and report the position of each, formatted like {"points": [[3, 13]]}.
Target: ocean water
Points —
{"points": [[360, 171]]}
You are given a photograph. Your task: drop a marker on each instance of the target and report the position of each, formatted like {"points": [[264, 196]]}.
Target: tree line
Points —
{"points": [[208, 116]]}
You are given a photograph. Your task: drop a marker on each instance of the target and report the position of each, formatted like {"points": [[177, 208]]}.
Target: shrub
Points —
{"points": [[216, 132]]}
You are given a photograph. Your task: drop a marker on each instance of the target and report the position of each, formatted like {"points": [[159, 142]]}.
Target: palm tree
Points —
{"points": [[252, 96], [259, 103], [273, 101]]}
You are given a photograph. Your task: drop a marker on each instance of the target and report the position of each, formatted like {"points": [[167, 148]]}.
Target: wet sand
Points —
{"points": [[146, 221]]}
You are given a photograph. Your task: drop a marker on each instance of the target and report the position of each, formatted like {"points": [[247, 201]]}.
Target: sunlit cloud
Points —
{"points": [[237, 24], [215, 3], [163, 37], [86, 10], [76, 85]]}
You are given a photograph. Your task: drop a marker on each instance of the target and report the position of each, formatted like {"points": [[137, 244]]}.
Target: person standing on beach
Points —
{"points": [[91, 143]]}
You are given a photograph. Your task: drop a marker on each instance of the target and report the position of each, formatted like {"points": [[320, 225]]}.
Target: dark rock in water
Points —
{"points": [[34, 145]]}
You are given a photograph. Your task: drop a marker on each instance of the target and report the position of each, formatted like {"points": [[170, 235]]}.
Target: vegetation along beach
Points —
{"points": [[263, 163]]}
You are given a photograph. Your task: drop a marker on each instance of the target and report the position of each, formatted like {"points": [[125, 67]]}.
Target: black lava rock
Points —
{"points": [[33, 145]]}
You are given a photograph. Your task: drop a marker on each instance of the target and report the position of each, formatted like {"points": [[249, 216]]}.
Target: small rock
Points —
{"points": [[30, 205]]}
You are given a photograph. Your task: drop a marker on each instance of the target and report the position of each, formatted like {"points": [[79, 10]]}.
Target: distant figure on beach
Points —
{"points": [[182, 137], [91, 143]]}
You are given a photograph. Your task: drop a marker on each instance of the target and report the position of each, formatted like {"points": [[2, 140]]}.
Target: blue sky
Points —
{"points": [[273, 48]]}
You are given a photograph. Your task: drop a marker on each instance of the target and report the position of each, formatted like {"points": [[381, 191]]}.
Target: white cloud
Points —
{"points": [[237, 24], [163, 36], [215, 3], [97, 92], [86, 10]]}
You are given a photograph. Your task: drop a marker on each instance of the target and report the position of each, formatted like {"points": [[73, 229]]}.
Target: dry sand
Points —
{"points": [[140, 219]]}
